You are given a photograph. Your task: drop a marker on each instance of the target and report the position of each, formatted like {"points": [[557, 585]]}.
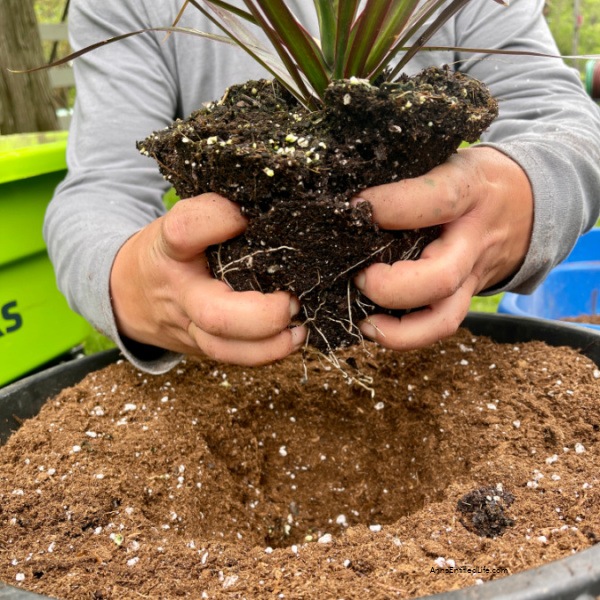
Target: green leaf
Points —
{"points": [[282, 68], [327, 29], [366, 31], [443, 17], [297, 41], [229, 8], [346, 13], [118, 38], [396, 22], [353, 41]]}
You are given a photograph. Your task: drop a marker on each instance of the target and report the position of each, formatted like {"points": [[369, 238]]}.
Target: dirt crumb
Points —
{"points": [[484, 511]]}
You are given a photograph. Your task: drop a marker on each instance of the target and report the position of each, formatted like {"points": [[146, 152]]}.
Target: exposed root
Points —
{"points": [[360, 379], [247, 259], [305, 292], [362, 261], [414, 251]]}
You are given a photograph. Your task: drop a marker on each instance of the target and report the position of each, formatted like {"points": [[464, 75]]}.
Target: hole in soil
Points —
{"points": [[302, 469]]}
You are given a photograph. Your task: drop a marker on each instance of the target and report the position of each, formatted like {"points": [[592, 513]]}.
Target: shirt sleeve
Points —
{"points": [[125, 90], [547, 124]]}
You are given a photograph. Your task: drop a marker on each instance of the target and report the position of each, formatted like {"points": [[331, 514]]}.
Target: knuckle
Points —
{"points": [[450, 325], [380, 286], [214, 350], [211, 318], [173, 228], [449, 280], [243, 315]]}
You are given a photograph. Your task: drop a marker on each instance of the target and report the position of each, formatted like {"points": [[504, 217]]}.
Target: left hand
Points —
{"points": [[484, 202]]}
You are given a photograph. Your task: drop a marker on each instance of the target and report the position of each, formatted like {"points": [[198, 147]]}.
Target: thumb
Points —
{"points": [[198, 222]]}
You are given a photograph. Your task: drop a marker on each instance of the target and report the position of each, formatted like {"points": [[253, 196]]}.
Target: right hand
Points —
{"points": [[164, 294]]}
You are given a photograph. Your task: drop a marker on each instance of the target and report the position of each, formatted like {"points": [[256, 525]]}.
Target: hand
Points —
{"points": [[163, 293], [484, 202]]}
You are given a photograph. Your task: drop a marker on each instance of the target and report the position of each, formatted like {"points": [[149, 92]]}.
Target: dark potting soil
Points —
{"points": [[286, 481], [294, 172]]}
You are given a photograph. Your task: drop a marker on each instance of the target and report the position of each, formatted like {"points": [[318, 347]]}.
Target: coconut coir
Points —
{"points": [[286, 481]]}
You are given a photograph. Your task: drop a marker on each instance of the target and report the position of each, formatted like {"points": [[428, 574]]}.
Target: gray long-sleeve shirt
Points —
{"points": [[128, 89]]}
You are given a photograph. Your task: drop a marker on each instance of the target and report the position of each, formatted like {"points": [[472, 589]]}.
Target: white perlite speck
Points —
{"points": [[442, 562], [579, 448], [230, 581]]}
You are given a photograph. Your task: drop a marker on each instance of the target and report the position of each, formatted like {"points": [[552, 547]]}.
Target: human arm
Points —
{"points": [[542, 153], [163, 293], [107, 212], [484, 203]]}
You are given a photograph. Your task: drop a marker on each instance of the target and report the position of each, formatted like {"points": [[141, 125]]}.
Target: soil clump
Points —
{"points": [[294, 172], [472, 461]]}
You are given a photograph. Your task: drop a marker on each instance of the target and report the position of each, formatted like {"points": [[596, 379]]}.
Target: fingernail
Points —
{"points": [[368, 330], [357, 201], [294, 306], [360, 280], [298, 336]]}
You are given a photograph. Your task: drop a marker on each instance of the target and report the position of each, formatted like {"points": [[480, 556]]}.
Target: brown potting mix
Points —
{"points": [[447, 467]]}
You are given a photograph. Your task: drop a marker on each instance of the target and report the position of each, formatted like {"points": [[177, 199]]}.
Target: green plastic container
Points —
{"points": [[36, 324]]}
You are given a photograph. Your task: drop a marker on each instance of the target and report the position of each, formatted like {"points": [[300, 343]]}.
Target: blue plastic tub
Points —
{"points": [[587, 247], [572, 289]]}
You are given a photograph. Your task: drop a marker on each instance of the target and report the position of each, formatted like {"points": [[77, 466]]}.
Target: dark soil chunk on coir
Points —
{"points": [[483, 511], [294, 171], [220, 481]]}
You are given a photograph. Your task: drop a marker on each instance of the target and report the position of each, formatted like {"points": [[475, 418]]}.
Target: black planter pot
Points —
{"points": [[576, 577]]}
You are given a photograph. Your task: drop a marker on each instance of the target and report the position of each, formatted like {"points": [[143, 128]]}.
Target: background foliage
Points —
{"points": [[560, 16]]}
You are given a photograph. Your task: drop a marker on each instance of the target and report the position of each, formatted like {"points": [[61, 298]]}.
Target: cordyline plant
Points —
{"points": [[353, 42]]}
